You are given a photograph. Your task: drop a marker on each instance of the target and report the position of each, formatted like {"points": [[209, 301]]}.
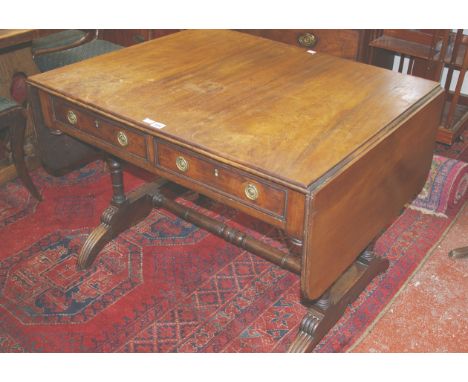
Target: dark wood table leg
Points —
{"points": [[123, 213], [323, 313], [17, 130]]}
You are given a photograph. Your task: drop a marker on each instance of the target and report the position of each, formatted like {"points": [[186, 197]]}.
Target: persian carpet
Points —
{"points": [[168, 286]]}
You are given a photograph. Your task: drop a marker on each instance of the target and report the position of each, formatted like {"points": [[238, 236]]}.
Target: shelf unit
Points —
{"points": [[424, 49]]}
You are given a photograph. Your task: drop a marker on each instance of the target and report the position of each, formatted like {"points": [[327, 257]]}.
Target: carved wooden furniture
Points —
{"points": [[429, 52], [455, 116], [423, 48], [50, 50], [128, 37], [319, 147], [15, 64], [12, 117], [346, 43], [60, 153]]}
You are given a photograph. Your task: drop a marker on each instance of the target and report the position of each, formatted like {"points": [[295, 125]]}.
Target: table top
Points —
{"points": [[13, 37], [264, 106]]}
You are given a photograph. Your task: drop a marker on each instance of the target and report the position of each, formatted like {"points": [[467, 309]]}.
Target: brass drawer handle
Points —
{"points": [[72, 118], [122, 138], [308, 40], [251, 191], [182, 164]]}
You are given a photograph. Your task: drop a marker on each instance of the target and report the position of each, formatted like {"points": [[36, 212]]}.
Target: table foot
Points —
{"points": [[114, 220], [123, 213], [323, 313]]}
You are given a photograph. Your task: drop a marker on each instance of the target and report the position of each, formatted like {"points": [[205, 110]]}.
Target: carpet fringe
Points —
{"points": [[426, 211]]}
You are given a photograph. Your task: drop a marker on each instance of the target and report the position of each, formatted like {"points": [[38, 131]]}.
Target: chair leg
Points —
{"points": [[402, 61], [17, 130]]}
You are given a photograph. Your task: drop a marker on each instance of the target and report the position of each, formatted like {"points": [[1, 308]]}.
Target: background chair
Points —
{"points": [[60, 153], [67, 47], [12, 117], [64, 40], [455, 116]]}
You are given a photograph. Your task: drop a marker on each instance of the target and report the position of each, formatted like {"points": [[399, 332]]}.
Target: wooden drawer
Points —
{"points": [[338, 42], [235, 184], [106, 132]]}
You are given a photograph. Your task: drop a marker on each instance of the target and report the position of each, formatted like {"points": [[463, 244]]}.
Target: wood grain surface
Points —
{"points": [[264, 105], [364, 198], [342, 43], [12, 37]]}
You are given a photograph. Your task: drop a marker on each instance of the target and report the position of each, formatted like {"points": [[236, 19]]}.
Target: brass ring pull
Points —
{"points": [[182, 164], [72, 118], [251, 191], [122, 138], [308, 40]]}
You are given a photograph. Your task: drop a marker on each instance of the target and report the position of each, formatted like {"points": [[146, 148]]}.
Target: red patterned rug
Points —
{"points": [[167, 286]]}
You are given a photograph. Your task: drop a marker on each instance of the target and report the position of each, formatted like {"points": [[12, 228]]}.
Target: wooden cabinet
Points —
{"points": [[128, 37], [346, 43]]}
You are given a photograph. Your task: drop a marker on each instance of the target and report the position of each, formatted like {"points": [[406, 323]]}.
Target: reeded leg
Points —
{"points": [[122, 214], [323, 313], [17, 130]]}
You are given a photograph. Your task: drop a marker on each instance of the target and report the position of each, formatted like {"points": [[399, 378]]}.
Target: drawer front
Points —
{"points": [[235, 184], [110, 133], [337, 42]]}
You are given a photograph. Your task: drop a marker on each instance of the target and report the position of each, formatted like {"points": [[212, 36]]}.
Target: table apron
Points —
{"points": [[274, 204]]}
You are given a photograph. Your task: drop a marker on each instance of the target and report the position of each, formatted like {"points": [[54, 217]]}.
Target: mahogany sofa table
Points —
{"points": [[327, 150]]}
